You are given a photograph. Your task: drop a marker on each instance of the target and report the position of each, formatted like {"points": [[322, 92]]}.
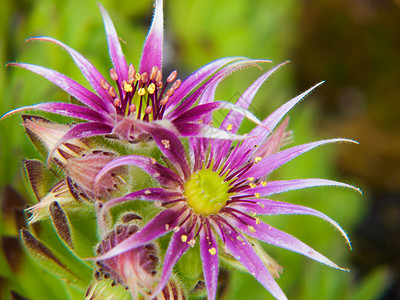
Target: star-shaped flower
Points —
{"points": [[136, 101], [219, 192]]}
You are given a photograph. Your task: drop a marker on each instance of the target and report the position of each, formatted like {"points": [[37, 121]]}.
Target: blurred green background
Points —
{"points": [[352, 44]]}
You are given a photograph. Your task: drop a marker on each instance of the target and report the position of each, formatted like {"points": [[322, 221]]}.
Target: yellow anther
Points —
{"points": [[257, 159], [251, 229], [257, 195], [252, 185], [151, 88], [264, 183], [141, 91], [184, 238], [250, 178], [137, 76], [229, 128], [127, 87], [147, 192], [258, 222], [212, 251], [239, 238], [261, 205], [192, 242], [166, 143], [166, 227]]}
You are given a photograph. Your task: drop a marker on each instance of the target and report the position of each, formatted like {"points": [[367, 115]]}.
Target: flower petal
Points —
{"points": [[64, 109], [261, 133], [281, 186], [210, 85], [209, 258], [153, 46], [69, 85], [161, 224], [273, 236], [165, 176], [168, 142], [272, 162], [150, 194], [271, 207], [234, 119], [176, 248], [88, 70], [193, 80], [114, 47], [207, 131], [241, 249]]}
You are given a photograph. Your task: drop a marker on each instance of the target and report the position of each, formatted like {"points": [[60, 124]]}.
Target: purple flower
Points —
{"points": [[137, 100], [218, 192]]}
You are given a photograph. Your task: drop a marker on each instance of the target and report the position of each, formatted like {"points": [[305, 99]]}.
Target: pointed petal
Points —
{"points": [[64, 109], [281, 186], [272, 162], [195, 113], [234, 119], [207, 131], [88, 70], [270, 122], [150, 194], [168, 142], [210, 85], [153, 46], [114, 47], [271, 207], [166, 177], [161, 224], [240, 248], [273, 119], [67, 84], [209, 258], [176, 248], [193, 80], [273, 236]]}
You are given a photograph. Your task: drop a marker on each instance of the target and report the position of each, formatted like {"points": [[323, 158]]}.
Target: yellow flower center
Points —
{"points": [[206, 192]]}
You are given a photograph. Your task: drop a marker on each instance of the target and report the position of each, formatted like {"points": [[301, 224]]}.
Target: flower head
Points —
{"points": [[219, 192], [136, 102]]}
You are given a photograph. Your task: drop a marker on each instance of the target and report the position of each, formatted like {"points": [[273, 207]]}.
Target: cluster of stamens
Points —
{"points": [[141, 96]]}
